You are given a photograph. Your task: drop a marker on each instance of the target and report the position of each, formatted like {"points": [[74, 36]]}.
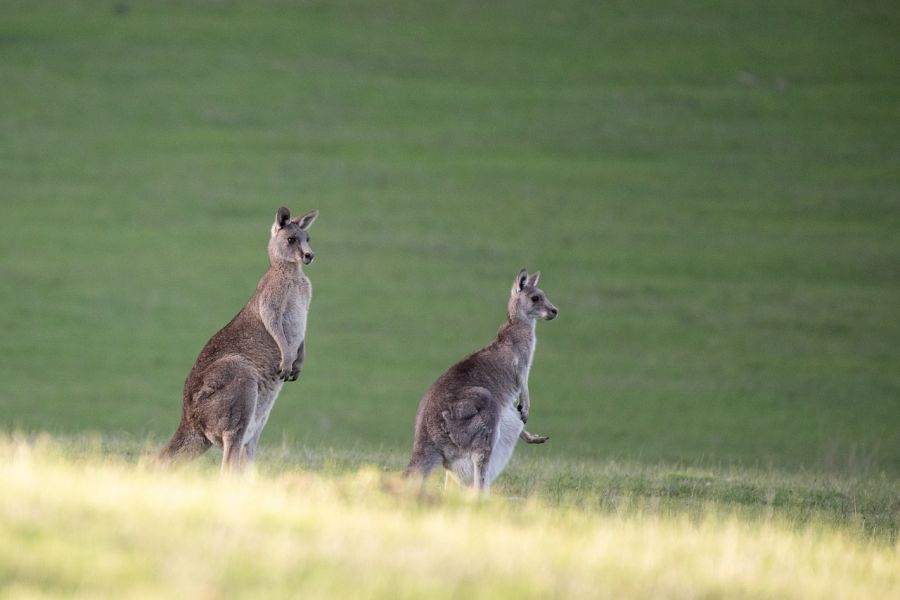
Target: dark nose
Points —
{"points": [[308, 257], [554, 312]]}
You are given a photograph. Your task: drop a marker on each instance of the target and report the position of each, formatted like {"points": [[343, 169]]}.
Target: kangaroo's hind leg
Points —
{"points": [[243, 403], [470, 422], [231, 451], [226, 403], [479, 480]]}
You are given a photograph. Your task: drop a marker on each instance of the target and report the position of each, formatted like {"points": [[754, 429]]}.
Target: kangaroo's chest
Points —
{"points": [[295, 311], [521, 366]]}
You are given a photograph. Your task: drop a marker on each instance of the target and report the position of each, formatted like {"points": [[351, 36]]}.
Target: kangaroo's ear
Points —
{"points": [[282, 217], [519, 283], [533, 278], [306, 220]]}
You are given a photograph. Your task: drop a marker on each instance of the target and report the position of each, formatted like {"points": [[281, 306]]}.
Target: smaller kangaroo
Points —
{"points": [[468, 420], [235, 381]]}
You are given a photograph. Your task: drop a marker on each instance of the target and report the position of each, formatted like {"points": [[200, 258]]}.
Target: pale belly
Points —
{"points": [[505, 437], [267, 393]]}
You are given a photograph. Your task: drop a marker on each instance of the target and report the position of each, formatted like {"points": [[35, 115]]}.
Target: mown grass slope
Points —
{"points": [[711, 192]]}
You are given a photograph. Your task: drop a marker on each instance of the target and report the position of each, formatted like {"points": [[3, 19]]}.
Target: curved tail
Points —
{"points": [[421, 464], [184, 445]]}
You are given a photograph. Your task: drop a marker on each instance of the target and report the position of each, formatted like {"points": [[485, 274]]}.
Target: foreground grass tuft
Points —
{"points": [[96, 524]]}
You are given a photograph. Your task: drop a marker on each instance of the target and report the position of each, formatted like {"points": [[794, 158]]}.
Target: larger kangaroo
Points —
{"points": [[472, 416], [232, 387]]}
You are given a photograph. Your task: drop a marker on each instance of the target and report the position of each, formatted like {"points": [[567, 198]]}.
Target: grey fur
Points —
{"points": [[235, 381], [468, 420]]}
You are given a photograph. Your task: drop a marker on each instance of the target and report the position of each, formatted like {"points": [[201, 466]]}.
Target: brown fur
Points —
{"points": [[237, 377], [459, 416]]}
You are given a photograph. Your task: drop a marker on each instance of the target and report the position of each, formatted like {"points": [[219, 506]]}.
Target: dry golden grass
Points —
{"points": [[100, 526]]}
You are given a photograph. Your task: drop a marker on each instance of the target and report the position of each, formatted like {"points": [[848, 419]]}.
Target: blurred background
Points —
{"points": [[710, 189]]}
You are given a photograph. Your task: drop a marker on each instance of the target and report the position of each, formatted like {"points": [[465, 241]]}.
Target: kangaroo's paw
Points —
{"points": [[532, 438], [284, 369], [295, 371]]}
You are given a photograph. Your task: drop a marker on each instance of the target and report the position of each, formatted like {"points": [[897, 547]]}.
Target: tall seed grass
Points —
{"points": [[97, 525]]}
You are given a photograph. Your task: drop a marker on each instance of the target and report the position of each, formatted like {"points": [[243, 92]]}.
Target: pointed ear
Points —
{"points": [[306, 220], [533, 279], [282, 217], [519, 282]]}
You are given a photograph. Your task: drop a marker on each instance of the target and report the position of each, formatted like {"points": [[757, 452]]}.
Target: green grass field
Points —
{"points": [[712, 195], [711, 191]]}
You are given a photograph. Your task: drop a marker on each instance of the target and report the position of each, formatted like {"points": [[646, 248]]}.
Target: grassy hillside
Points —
{"points": [[711, 192], [94, 525]]}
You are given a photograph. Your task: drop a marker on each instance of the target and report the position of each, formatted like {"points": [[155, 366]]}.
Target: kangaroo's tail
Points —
{"points": [[185, 445], [421, 464]]}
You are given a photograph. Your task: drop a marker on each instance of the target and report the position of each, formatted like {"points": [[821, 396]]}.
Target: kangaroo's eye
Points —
{"points": [[535, 298], [292, 240]]}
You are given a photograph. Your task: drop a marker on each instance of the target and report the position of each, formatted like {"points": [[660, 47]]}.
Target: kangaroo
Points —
{"points": [[235, 381], [471, 417]]}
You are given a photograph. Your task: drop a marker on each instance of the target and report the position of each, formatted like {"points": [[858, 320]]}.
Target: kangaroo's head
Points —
{"points": [[528, 301], [290, 240]]}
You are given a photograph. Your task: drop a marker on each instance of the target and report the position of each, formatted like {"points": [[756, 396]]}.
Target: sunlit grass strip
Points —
{"points": [[866, 502], [98, 526]]}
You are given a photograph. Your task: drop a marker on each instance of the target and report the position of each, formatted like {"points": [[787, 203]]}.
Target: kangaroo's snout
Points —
{"points": [[308, 257], [552, 313]]}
